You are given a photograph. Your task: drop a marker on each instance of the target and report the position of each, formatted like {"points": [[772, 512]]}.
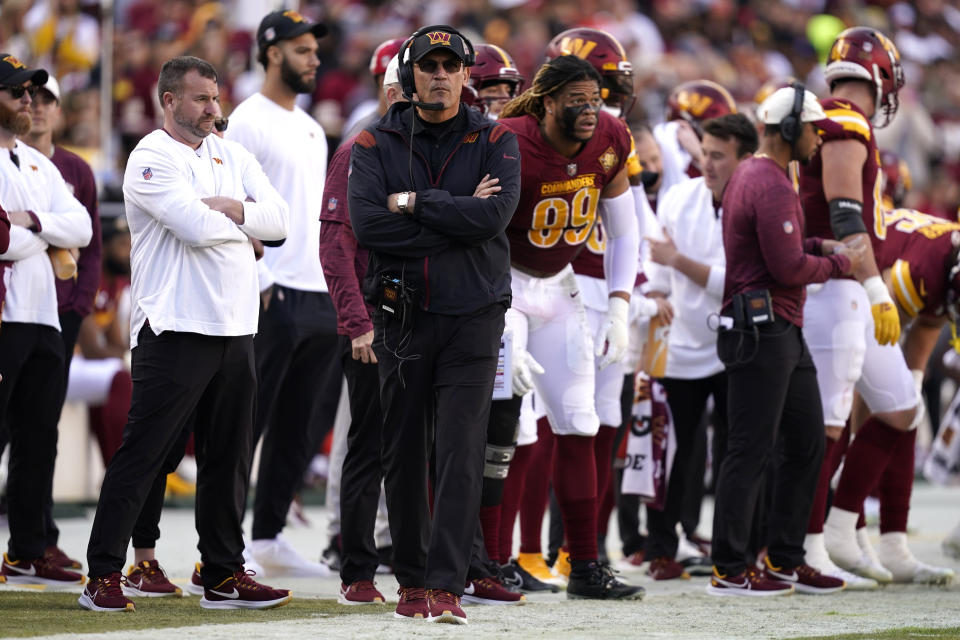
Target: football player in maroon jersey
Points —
{"points": [[574, 166], [840, 189], [496, 79]]}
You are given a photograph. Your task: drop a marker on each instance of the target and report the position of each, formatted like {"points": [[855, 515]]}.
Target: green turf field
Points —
{"points": [[24, 614]]}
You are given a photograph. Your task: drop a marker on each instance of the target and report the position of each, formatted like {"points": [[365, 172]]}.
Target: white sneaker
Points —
{"points": [[187, 469], [876, 567], [897, 557], [816, 556], [951, 544], [840, 539], [277, 557]]}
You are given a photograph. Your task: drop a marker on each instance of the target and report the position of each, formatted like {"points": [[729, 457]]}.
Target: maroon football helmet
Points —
{"points": [[469, 97], [896, 179], [697, 101], [607, 56], [867, 54], [495, 65], [382, 55]]}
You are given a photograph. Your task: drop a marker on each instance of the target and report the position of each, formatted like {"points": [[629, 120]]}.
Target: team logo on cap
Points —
{"points": [[269, 34], [293, 15], [439, 37], [147, 173], [13, 62]]}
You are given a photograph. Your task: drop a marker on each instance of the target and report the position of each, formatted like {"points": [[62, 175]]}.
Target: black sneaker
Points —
{"points": [[594, 581], [332, 556], [516, 576]]}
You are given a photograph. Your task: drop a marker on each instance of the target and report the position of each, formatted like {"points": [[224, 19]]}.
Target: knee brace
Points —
{"points": [[502, 429]]}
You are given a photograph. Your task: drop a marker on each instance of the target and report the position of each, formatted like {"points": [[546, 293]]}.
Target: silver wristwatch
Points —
{"points": [[402, 201]]}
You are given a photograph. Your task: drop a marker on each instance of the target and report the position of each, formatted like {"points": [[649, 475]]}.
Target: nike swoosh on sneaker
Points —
{"points": [[469, 589], [515, 582], [135, 585], [232, 596], [32, 571], [793, 577]]}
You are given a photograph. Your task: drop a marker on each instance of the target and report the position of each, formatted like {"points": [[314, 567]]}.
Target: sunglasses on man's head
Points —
{"points": [[16, 92], [450, 65]]}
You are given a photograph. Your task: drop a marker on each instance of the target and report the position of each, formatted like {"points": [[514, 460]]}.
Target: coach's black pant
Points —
{"points": [[298, 366], [31, 362], [362, 471], [774, 416], [687, 400], [435, 393], [174, 376]]}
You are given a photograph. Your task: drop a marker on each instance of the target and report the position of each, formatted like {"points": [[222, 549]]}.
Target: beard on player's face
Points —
{"points": [[16, 122]]}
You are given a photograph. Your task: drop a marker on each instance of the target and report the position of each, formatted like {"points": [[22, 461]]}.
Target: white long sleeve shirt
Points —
{"points": [[37, 186], [193, 269], [686, 212], [292, 149]]}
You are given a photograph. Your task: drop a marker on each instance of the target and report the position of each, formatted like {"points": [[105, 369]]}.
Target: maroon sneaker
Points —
{"points": [[38, 571], [105, 594], [149, 580], [239, 591], [805, 579], [413, 603], [666, 569], [55, 556], [445, 607], [195, 586], [360, 592], [490, 591], [751, 582]]}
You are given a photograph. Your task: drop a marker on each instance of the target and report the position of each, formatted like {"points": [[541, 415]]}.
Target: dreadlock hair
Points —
{"points": [[551, 78]]}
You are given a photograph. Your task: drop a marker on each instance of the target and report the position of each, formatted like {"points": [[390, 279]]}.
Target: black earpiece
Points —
{"points": [[791, 125]]}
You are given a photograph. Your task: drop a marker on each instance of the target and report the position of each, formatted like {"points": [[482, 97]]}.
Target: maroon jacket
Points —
{"points": [[4, 245], [77, 294], [763, 239], [344, 262]]}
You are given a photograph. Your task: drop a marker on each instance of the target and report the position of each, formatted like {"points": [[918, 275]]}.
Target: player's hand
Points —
{"points": [[362, 348], [664, 310], [487, 187], [265, 297], [257, 247], [663, 251], [886, 320], [688, 139], [21, 219], [230, 207], [856, 252], [524, 368], [612, 338]]}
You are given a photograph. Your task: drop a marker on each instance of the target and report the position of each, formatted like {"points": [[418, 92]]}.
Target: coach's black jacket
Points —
{"points": [[452, 248]]}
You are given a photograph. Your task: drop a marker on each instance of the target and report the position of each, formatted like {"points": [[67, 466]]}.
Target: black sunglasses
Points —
{"points": [[17, 92], [450, 65]]}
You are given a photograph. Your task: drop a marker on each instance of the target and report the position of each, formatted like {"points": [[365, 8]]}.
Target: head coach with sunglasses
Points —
{"points": [[432, 188], [773, 402]]}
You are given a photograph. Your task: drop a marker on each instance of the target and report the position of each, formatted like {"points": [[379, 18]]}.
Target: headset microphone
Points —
{"points": [[426, 106]]}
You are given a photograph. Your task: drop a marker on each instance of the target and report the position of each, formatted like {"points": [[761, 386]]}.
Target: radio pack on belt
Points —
{"points": [[396, 298], [753, 309]]}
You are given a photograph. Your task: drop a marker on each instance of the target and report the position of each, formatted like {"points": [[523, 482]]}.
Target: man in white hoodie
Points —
{"points": [[194, 202], [43, 216]]}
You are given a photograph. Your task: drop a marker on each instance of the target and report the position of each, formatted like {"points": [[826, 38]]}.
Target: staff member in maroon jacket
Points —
{"points": [[344, 264], [773, 402], [74, 295]]}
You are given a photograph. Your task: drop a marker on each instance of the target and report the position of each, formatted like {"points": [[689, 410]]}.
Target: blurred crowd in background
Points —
{"points": [[740, 44]]}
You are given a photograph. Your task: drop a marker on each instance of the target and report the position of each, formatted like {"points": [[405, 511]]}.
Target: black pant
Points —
{"points": [[146, 530], [362, 470], [687, 400], [69, 329], [298, 366], [31, 362], [176, 376], [774, 412], [435, 392]]}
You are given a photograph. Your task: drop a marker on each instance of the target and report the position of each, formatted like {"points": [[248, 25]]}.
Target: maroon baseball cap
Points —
{"points": [[14, 73]]}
